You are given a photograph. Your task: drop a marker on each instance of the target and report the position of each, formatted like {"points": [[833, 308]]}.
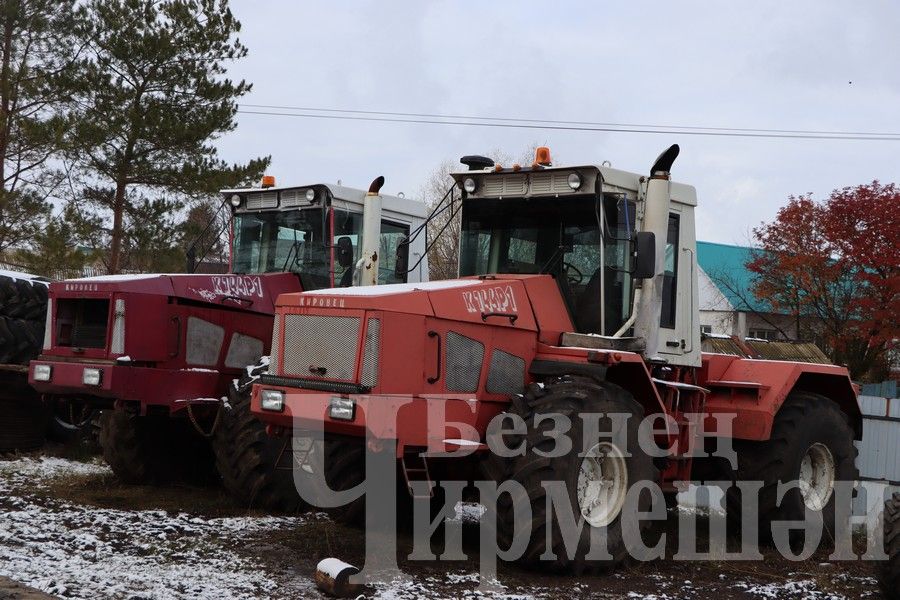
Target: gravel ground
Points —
{"points": [[69, 529]]}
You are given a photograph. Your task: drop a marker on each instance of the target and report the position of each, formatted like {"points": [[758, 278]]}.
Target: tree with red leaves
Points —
{"points": [[835, 266]]}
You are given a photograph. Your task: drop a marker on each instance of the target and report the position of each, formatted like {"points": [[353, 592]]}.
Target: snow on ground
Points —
{"points": [[80, 551]]}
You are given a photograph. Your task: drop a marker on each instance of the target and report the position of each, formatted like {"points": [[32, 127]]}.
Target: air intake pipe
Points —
{"points": [[656, 221], [367, 266]]}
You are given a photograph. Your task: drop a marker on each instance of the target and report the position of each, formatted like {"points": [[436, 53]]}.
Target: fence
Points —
{"points": [[879, 450]]}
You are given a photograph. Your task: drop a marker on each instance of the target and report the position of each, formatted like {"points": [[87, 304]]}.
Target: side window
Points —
{"points": [[670, 279], [391, 236], [347, 233]]}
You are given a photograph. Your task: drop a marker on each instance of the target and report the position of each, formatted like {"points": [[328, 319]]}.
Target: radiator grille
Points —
{"points": [[275, 351], [370, 353], [506, 374], [464, 358], [320, 342]]}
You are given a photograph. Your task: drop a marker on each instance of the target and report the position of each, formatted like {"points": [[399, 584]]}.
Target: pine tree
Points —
{"points": [[35, 48], [153, 96]]}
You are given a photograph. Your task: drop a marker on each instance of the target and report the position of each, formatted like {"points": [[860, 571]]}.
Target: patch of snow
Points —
{"points": [[123, 359], [120, 277], [198, 370], [207, 295], [804, 588], [87, 552], [469, 512], [24, 276], [461, 442], [394, 288], [197, 400]]}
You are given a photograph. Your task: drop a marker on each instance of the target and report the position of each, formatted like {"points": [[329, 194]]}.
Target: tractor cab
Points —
{"points": [[315, 232], [583, 225]]}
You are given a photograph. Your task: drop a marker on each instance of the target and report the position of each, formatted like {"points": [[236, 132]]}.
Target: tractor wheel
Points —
{"points": [[73, 422], [344, 461], [137, 448], [890, 571], [596, 473], [811, 443], [256, 468]]}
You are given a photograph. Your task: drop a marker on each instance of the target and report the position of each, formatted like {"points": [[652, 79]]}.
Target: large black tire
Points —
{"points": [[154, 449], [256, 468], [570, 397], [344, 461], [134, 446], [20, 340], [73, 422], [805, 420], [890, 571], [22, 299], [23, 419]]}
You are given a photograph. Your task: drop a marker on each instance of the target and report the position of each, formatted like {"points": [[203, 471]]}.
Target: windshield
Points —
{"points": [[269, 242], [560, 237]]}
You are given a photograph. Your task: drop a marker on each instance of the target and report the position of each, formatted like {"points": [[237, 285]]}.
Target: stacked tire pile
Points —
{"points": [[23, 311]]}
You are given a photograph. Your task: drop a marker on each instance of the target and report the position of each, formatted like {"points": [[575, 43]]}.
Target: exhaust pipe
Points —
{"points": [[656, 220], [367, 266]]}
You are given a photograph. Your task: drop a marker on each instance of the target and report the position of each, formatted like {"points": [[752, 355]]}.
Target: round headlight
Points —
{"points": [[469, 185], [574, 181], [310, 195], [235, 200]]}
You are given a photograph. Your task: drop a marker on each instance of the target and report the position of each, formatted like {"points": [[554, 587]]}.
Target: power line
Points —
{"points": [[519, 123]]}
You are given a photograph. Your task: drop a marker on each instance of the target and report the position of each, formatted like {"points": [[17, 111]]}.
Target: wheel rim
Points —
{"points": [[602, 484], [817, 477]]}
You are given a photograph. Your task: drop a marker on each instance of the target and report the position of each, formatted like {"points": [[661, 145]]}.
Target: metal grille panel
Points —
{"points": [[506, 374], [551, 183], [243, 350], [463, 362], [314, 342], [275, 351], [371, 353], [291, 198], [505, 185], [262, 200], [204, 342]]}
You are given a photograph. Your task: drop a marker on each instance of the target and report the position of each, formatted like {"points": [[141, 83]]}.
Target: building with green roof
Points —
{"points": [[727, 303]]}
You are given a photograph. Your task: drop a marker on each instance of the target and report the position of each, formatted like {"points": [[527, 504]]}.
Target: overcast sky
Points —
{"points": [[774, 64]]}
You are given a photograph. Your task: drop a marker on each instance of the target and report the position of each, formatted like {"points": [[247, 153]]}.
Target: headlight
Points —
{"points": [[272, 400], [343, 409], [574, 181], [90, 377], [235, 201], [310, 195], [469, 185], [42, 372]]}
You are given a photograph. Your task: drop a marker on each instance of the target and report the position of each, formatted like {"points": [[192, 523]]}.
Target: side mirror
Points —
{"points": [[644, 255], [401, 264]]}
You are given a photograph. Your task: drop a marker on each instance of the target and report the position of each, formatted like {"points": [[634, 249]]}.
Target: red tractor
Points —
{"points": [[578, 296], [158, 352]]}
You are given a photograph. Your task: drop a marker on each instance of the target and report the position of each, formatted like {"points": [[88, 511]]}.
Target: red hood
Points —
{"points": [[473, 299], [255, 293]]}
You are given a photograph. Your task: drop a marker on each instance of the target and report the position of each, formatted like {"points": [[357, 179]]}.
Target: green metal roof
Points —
{"points": [[726, 266]]}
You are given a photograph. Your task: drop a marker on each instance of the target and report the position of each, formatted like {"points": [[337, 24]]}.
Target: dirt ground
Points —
{"points": [[70, 529]]}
